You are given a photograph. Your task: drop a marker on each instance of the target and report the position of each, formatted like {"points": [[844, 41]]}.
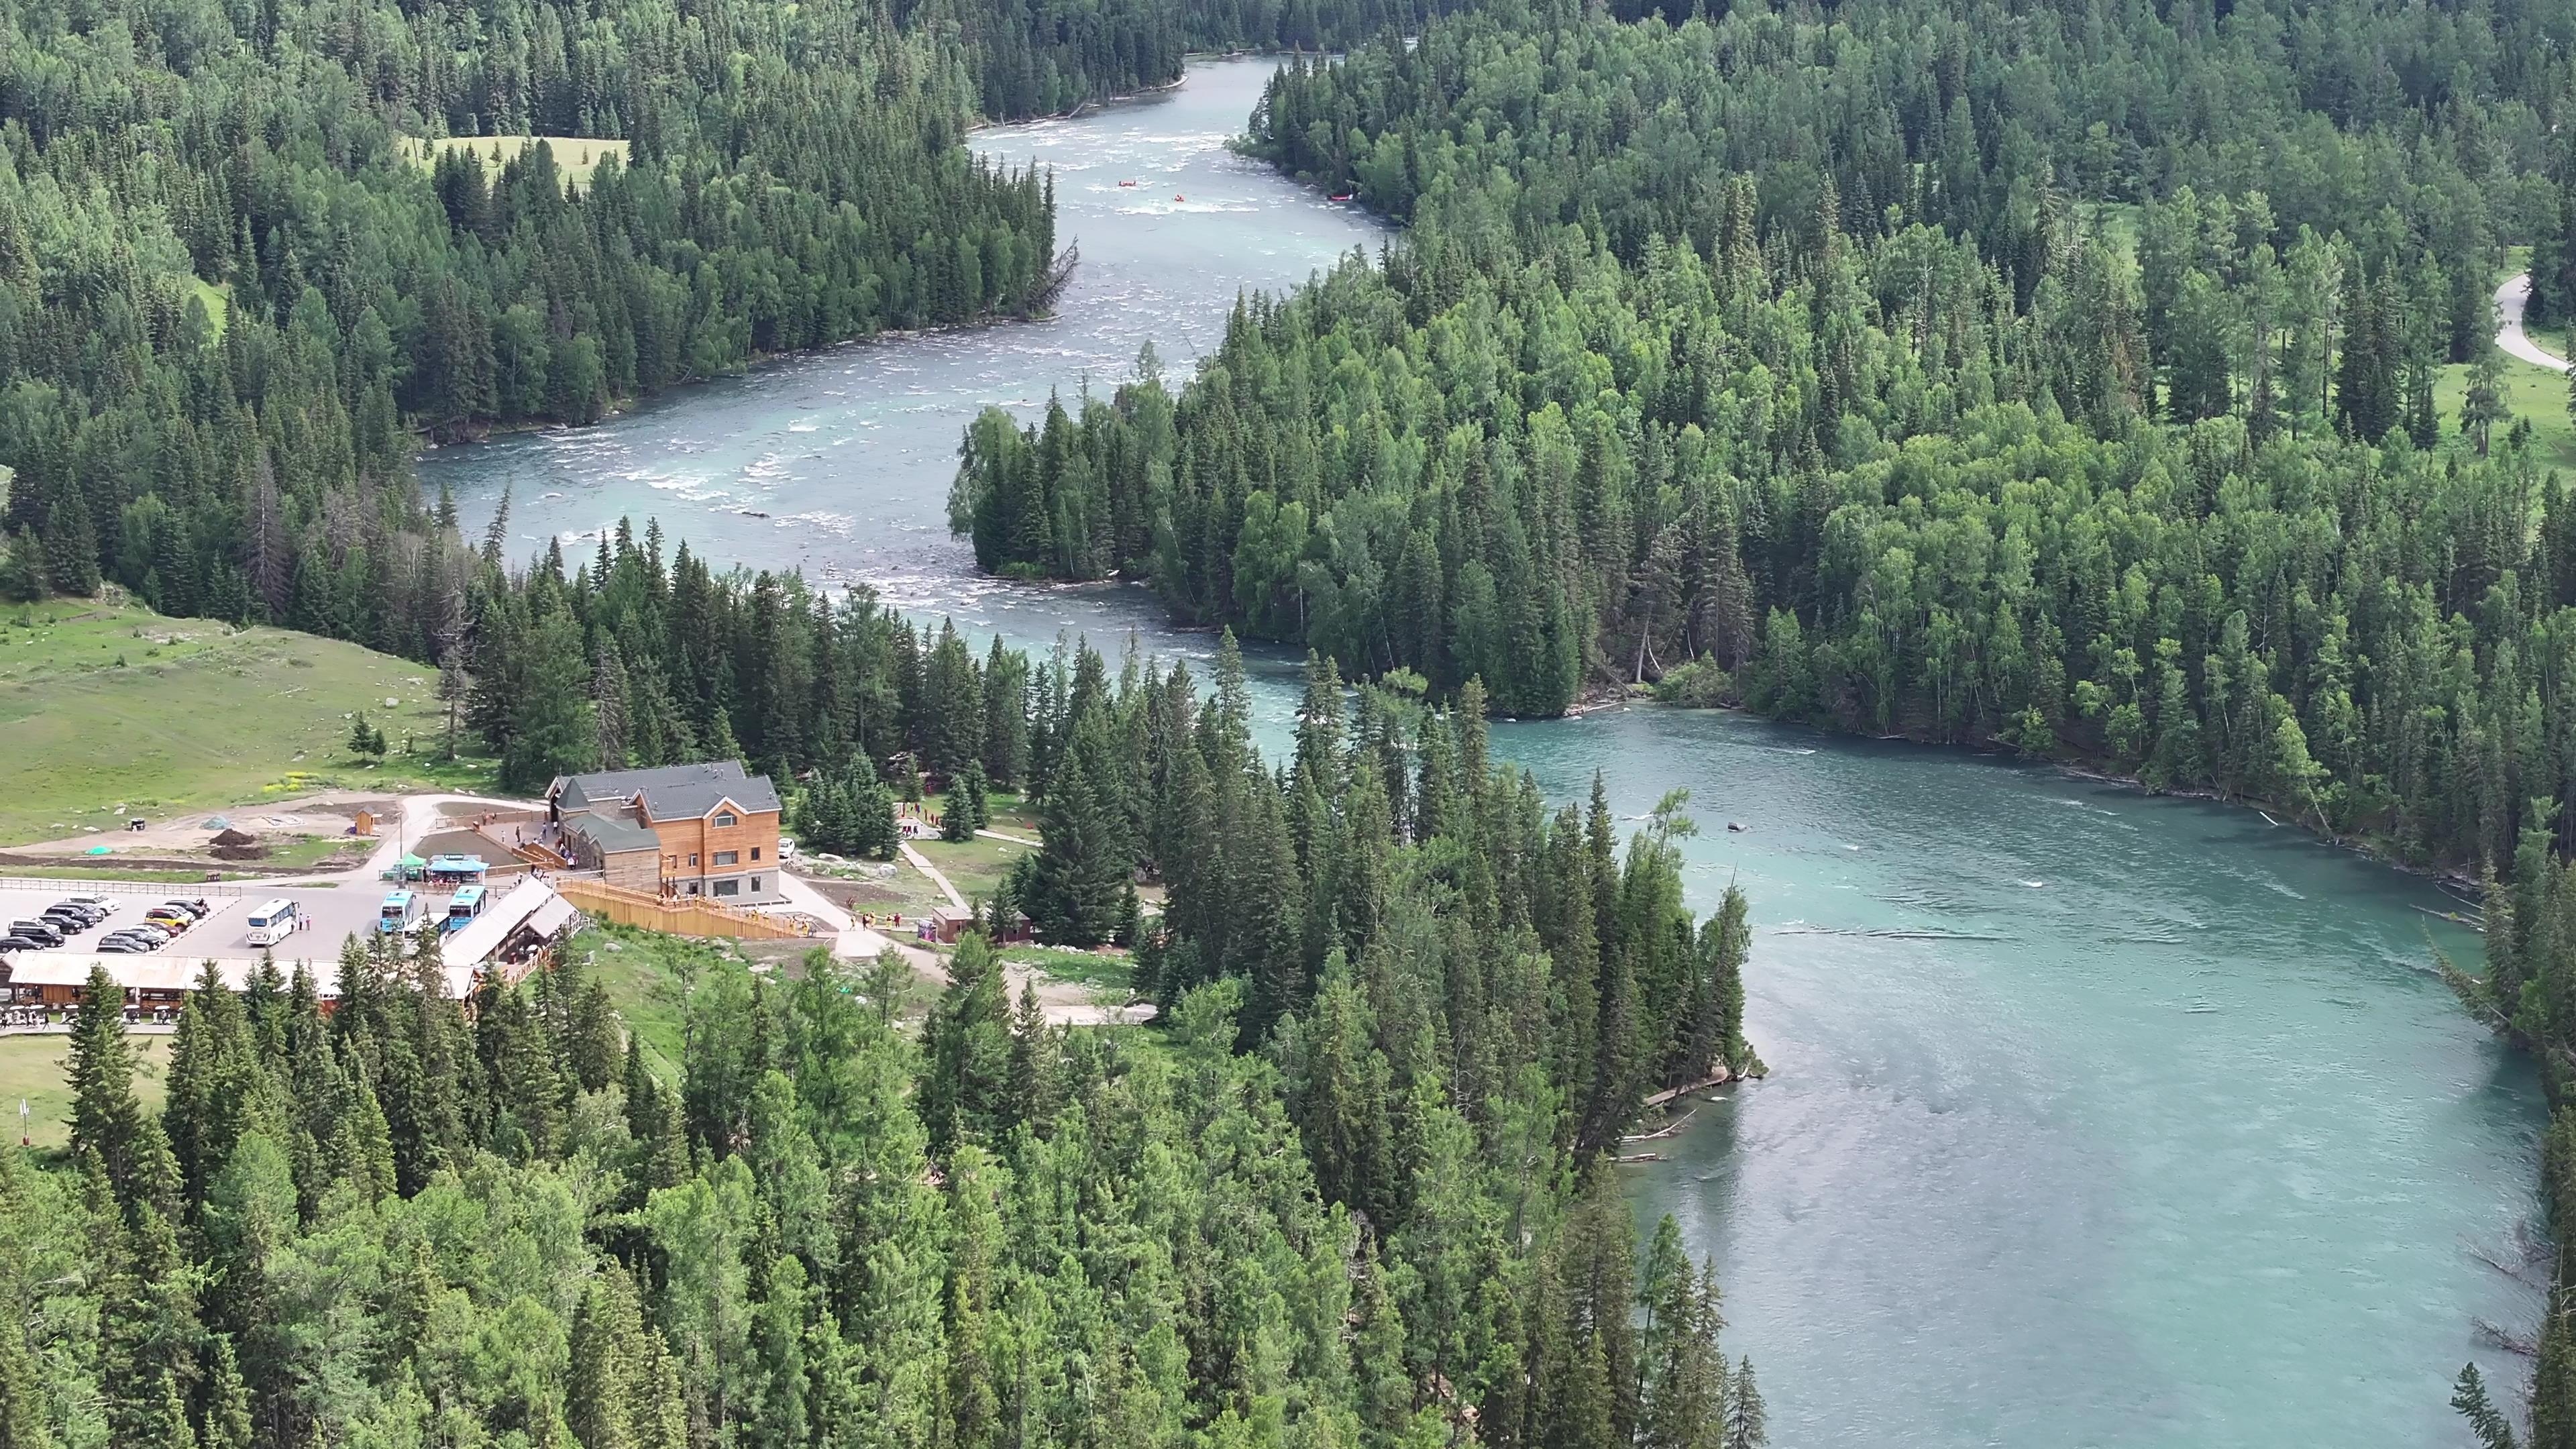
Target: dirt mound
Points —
{"points": [[235, 838], [239, 852]]}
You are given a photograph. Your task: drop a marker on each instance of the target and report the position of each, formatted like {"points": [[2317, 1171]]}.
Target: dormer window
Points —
{"points": [[724, 818]]}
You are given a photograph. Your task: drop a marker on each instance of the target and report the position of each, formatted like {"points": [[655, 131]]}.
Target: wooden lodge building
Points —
{"points": [[677, 830]]}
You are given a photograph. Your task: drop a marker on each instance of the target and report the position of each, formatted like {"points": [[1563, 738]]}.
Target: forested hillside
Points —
{"points": [[1351, 1194], [1966, 372], [1046, 57], [232, 295]]}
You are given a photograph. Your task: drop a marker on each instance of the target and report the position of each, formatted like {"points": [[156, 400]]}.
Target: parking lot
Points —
{"points": [[334, 912]]}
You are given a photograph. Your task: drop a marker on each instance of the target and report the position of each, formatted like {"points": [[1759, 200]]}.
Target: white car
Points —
{"points": [[787, 847], [101, 903]]}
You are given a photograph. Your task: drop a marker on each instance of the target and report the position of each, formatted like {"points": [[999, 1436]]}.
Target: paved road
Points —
{"points": [[2509, 300]]}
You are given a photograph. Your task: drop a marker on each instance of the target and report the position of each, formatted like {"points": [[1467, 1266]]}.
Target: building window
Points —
{"points": [[724, 820], [728, 887], [693, 859], [693, 887], [755, 852], [728, 857], [755, 885]]}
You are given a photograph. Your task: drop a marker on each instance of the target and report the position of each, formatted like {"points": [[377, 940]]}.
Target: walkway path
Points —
{"points": [[921, 863], [2510, 299], [1064, 1003]]}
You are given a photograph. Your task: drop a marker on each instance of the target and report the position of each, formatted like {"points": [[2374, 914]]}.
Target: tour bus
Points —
{"points": [[402, 911], [272, 923], [462, 910]]}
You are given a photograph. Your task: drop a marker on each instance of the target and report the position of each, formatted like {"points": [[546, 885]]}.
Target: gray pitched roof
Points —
{"points": [[613, 833], [671, 792]]}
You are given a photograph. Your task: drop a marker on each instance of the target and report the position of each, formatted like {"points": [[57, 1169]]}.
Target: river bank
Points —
{"points": [[2098, 1117], [2372, 847]]}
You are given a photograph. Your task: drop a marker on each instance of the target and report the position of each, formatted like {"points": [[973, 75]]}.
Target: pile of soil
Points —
{"points": [[239, 852], [235, 838]]}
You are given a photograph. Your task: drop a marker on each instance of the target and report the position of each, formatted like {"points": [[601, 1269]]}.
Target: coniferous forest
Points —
{"points": [[1352, 1193], [2059, 378], [1973, 373]]}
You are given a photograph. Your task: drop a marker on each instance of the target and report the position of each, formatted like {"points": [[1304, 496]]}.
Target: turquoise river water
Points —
{"points": [[2095, 1119]]}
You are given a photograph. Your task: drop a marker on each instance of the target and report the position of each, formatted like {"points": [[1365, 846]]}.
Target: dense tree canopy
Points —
{"points": [[239, 274], [1351, 1191], [1919, 370]]}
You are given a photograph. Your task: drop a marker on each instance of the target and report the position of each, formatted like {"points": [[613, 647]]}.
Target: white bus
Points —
{"points": [[273, 922]]}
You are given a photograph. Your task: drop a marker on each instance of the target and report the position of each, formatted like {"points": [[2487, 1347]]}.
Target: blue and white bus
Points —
{"points": [[467, 904], [402, 911]]}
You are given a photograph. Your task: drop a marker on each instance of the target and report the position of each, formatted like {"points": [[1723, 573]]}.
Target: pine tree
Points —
{"points": [[1033, 1063], [968, 1038], [105, 1115], [552, 730], [1385, 1396], [227, 1419], [653, 1122], [1745, 1424], [22, 568], [2469, 1397], [1080, 877], [2483, 406]]}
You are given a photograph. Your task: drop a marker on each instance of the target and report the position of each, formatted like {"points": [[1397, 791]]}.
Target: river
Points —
{"points": [[2095, 1119]]}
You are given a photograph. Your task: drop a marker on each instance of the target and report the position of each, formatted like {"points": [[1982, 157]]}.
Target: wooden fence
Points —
{"points": [[679, 916]]}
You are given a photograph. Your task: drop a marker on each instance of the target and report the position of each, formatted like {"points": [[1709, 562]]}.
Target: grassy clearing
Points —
{"points": [[305, 851], [2117, 222], [648, 976], [112, 710], [575, 156], [976, 867], [218, 300], [1010, 814], [857, 887], [31, 1069], [1079, 968], [2535, 395]]}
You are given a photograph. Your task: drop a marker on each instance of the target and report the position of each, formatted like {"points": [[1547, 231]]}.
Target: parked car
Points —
{"points": [[37, 930], [176, 921], [19, 943], [198, 909], [145, 930], [86, 919], [124, 946], [102, 904]]}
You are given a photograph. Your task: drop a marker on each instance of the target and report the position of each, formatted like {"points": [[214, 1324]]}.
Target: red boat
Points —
{"points": [[1176, 196], [1343, 196], [1126, 183]]}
